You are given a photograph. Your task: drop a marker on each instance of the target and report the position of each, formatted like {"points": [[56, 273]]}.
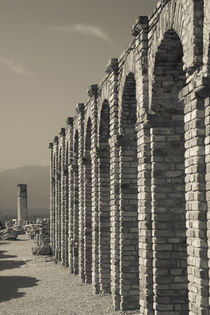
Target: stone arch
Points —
{"points": [[104, 199], [88, 206], [172, 15], [76, 205], [129, 256], [168, 178], [206, 38]]}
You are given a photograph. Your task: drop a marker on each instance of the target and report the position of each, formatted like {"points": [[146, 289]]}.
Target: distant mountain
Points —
{"points": [[37, 180]]}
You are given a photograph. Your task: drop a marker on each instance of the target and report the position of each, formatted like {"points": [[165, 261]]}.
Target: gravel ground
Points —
{"points": [[36, 285]]}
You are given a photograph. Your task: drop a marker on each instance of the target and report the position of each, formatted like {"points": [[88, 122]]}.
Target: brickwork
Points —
{"points": [[130, 185]]}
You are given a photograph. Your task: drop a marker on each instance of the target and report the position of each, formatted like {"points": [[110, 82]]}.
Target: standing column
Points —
{"points": [[52, 231], [61, 193], [203, 92], [55, 153], [93, 92], [80, 117], [69, 138], [112, 71], [22, 211], [195, 194], [69, 123]]}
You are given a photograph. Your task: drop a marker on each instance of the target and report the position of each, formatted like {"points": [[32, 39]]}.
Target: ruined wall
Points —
{"points": [[130, 185]]}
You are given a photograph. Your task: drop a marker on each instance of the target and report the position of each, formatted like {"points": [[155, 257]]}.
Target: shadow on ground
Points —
{"points": [[3, 256], [9, 286], [20, 240], [10, 264]]}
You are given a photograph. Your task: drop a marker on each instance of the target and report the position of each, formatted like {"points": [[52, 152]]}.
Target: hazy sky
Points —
{"points": [[51, 51]]}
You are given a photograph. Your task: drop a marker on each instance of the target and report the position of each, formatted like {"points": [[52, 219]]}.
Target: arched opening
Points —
{"points": [[88, 208], [76, 206], [129, 255], [168, 179], [104, 200]]}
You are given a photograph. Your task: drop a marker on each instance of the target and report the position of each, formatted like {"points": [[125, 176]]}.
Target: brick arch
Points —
{"points": [[129, 256], [104, 199], [88, 204], [133, 64], [168, 178], [171, 17], [206, 37], [127, 67]]}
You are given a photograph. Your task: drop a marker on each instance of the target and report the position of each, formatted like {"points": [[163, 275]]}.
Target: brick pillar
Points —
{"points": [[70, 139], [104, 199], [80, 118], [75, 218], [88, 204], [61, 145], [69, 122], [140, 32], [207, 159], [203, 95], [196, 206], [168, 214], [51, 198], [112, 71], [93, 91], [144, 216], [55, 153]]}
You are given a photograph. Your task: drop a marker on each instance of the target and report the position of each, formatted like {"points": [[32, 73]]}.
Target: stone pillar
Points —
{"points": [[207, 159], [144, 217], [87, 203], [203, 93], [195, 195], [207, 156], [69, 122], [75, 220], [140, 31], [112, 71], [80, 117], [93, 92], [62, 232], [52, 230], [22, 210], [69, 138], [56, 194], [104, 199]]}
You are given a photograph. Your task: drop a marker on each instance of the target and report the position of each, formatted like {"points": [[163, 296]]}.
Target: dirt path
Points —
{"points": [[36, 285]]}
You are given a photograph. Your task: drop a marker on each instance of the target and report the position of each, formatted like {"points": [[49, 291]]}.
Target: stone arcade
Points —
{"points": [[130, 172]]}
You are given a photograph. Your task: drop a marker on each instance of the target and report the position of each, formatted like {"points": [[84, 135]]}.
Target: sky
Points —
{"points": [[50, 52]]}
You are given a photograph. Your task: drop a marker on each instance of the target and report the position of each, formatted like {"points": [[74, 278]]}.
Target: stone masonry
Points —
{"points": [[130, 172]]}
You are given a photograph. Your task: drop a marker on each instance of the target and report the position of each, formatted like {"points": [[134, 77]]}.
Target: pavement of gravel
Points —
{"points": [[37, 285]]}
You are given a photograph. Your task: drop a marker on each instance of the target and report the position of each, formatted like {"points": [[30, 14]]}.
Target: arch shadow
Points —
{"points": [[9, 286], [3, 256], [11, 264]]}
